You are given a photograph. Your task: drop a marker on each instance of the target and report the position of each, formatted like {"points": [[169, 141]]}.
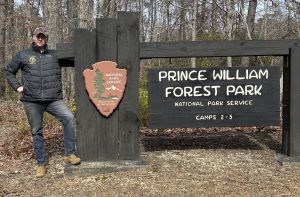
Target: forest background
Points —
{"points": [[183, 161], [160, 20]]}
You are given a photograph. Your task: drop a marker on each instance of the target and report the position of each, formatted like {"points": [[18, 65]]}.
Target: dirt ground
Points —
{"points": [[181, 162]]}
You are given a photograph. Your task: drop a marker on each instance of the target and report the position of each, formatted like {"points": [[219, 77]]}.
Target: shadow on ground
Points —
{"points": [[254, 139]]}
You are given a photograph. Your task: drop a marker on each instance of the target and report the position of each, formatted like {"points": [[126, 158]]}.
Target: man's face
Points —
{"points": [[40, 40]]}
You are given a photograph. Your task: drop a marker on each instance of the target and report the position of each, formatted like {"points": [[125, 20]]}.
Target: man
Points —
{"points": [[41, 90]]}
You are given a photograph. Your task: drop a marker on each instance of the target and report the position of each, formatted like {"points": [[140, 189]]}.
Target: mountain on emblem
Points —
{"points": [[105, 85]]}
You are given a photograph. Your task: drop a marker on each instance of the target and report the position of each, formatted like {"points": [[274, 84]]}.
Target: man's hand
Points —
{"points": [[20, 89]]}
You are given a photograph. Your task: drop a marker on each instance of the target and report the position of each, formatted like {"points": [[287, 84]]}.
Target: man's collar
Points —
{"points": [[43, 49]]}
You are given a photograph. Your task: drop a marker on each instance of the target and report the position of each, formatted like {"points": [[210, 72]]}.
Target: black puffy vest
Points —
{"points": [[40, 74]]}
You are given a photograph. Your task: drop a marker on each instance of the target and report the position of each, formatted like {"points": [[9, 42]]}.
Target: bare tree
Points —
{"points": [[194, 28], [85, 14], [104, 7], [113, 8], [240, 18], [153, 19], [52, 12], [213, 25], [9, 30], [202, 18], [3, 14], [229, 25], [182, 25], [166, 19], [249, 27], [72, 16], [142, 30]]}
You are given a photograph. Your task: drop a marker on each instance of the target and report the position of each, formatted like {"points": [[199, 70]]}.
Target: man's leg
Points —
{"points": [[34, 112], [61, 111]]}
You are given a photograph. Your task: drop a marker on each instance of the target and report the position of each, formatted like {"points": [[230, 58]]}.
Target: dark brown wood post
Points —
{"points": [[87, 126], [128, 57], [108, 134], [294, 134], [286, 106], [116, 137]]}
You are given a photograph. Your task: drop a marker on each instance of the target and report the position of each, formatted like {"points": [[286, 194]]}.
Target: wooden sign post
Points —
{"points": [[116, 137]]}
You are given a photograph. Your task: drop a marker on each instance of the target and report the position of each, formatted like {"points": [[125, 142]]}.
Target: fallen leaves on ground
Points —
{"points": [[182, 162]]}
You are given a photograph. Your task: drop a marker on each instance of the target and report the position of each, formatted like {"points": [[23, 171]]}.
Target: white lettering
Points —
{"points": [[161, 75], [243, 90], [247, 74], [188, 91]]}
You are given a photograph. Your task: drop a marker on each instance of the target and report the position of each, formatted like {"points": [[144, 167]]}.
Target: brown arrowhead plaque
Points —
{"points": [[105, 85]]}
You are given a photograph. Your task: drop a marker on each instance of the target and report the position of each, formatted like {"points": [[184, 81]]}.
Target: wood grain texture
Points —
{"points": [[286, 106], [216, 48], [128, 57], [65, 50], [108, 139], [87, 128], [295, 102]]}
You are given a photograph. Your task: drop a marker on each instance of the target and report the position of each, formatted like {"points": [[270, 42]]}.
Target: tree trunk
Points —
{"points": [[113, 8], [249, 27], [141, 18], [72, 16], [201, 24], [85, 14], [3, 14], [241, 7], [182, 26], [229, 25], [251, 19], [125, 5], [67, 72], [152, 19], [167, 20], [214, 16], [81, 14], [104, 6], [52, 12], [194, 28]]}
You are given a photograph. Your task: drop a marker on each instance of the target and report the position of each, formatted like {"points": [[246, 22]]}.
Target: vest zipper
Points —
{"points": [[42, 77]]}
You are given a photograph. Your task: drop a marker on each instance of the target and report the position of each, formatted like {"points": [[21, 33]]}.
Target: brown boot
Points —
{"points": [[72, 159], [41, 171]]}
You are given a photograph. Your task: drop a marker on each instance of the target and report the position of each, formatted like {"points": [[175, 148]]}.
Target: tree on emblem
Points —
{"points": [[99, 81]]}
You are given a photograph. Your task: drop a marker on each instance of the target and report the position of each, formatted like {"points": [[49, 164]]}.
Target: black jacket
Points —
{"points": [[40, 74]]}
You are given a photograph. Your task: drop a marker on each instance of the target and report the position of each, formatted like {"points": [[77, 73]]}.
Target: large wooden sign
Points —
{"points": [[105, 84], [215, 97]]}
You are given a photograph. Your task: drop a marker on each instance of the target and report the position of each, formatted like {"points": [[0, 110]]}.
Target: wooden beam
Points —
{"points": [[216, 48], [221, 48], [295, 102], [65, 50]]}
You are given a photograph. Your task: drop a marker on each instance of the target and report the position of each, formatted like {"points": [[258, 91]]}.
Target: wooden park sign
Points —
{"points": [[214, 97], [105, 84], [116, 137]]}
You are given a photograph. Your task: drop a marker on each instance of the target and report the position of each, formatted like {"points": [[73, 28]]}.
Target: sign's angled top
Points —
{"points": [[105, 85]]}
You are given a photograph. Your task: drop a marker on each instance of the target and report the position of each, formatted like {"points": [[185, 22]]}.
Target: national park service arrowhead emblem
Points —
{"points": [[105, 85]]}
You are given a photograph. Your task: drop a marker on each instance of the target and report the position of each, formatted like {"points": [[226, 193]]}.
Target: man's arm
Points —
{"points": [[11, 70]]}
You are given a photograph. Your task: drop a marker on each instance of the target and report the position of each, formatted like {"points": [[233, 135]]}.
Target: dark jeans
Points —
{"points": [[35, 112]]}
